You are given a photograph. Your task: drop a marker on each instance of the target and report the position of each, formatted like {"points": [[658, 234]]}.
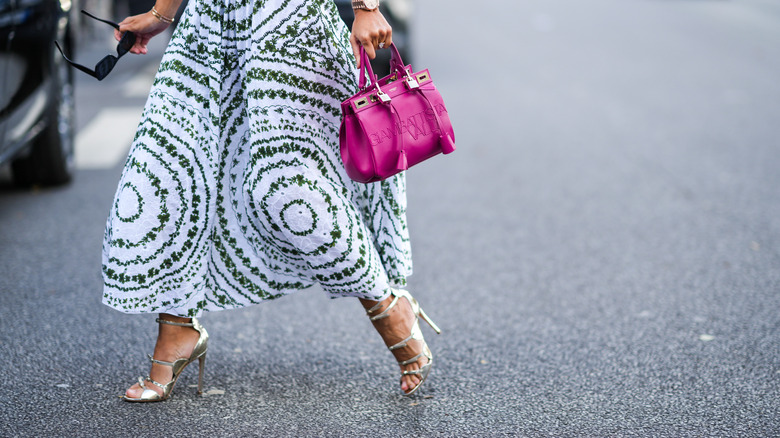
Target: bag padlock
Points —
{"points": [[383, 97]]}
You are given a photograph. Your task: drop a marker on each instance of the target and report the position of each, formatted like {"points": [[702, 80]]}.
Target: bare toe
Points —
{"points": [[410, 381], [134, 391]]}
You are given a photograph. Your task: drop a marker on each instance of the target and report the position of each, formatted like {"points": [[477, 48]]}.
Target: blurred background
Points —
{"points": [[38, 115], [602, 250]]}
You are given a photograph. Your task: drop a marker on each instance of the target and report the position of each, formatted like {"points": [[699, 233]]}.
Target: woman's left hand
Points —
{"points": [[145, 26], [370, 30]]}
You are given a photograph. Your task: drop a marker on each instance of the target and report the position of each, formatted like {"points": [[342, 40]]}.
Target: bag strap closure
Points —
{"points": [[445, 141]]}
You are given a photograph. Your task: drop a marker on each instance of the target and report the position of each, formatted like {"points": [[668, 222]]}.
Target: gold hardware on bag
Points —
{"points": [[411, 83], [361, 103], [422, 77]]}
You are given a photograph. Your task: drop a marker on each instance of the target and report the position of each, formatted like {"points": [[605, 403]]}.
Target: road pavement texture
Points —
{"points": [[601, 251]]}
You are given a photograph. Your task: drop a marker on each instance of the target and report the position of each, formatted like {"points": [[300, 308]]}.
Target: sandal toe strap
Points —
{"points": [[422, 370], [142, 382], [416, 372]]}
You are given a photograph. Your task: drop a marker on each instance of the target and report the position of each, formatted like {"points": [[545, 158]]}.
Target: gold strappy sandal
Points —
{"points": [[199, 352], [416, 334]]}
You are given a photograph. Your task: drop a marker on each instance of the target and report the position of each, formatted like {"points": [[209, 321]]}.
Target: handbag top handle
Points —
{"points": [[396, 64]]}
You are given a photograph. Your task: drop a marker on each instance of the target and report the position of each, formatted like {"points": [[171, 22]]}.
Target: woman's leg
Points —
{"points": [[173, 342], [395, 328]]}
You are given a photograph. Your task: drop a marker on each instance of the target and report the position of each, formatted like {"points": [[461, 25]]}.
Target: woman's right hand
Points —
{"points": [[370, 30], [144, 26]]}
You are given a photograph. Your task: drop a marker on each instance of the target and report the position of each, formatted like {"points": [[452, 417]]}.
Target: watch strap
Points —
{"points": [[360, 4]]}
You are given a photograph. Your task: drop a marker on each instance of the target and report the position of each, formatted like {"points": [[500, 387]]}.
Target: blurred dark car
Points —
{"points": [[397, 13], [36, 97]]}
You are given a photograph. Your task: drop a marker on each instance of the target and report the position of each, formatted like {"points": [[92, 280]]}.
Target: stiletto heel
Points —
{"points": [[430, 322], [416, 334], [201, 367], [199, 352]]}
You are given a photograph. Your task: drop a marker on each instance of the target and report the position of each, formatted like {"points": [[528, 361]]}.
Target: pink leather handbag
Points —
{"points": [[392, 123]]}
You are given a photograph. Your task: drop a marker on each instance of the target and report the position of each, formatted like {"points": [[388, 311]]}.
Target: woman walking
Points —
{"points": [[234, 193]]}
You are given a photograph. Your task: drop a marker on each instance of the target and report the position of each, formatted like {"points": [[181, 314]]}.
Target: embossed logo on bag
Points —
{"points": [[422, 123]]}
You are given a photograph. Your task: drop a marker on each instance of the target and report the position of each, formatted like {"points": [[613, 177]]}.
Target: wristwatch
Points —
{"points": [[368, 5]]}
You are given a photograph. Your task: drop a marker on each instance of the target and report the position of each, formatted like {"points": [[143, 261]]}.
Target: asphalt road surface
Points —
{"points": [[602, 251]]}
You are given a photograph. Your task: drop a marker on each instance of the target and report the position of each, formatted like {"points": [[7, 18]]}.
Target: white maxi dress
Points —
{"points": [[234, 191]]}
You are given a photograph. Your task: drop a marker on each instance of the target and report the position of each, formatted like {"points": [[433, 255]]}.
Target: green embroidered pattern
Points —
{"points": [[234, 191]]}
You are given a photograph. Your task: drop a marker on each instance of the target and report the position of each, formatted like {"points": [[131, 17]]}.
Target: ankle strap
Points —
{"points": [[180, 324], [378, 305], [373, 309], [384, 313]]}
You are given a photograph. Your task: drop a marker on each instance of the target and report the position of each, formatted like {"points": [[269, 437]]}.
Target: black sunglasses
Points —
{"points": [[105, 65]]}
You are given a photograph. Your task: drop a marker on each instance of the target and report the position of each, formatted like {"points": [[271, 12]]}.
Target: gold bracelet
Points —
{"points": [[161, 17]]}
